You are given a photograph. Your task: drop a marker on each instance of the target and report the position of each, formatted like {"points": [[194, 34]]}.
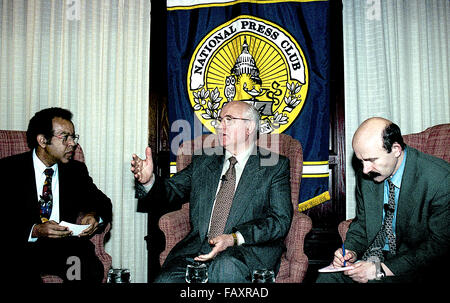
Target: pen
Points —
{"points": [[343, 252]]}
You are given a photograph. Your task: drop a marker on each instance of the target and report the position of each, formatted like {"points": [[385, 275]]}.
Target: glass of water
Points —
{"points": [[263, 276], [118, 275], [196, 272]]}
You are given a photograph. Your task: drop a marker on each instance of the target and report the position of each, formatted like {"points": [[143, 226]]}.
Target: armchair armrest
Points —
{"points": [[294, 262], [301, 225], [343, 228], [175, 226], [98, 239]]}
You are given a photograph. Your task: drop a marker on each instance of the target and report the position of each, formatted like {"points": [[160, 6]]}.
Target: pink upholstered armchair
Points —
{"points": [[434, 140], [14, 142], [294, 262]]}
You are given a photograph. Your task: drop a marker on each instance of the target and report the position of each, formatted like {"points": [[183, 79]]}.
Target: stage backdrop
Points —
{"points": [[272, 54]]}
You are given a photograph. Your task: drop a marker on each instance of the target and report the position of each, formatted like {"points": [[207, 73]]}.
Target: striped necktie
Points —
{"points": [[375, 248]]}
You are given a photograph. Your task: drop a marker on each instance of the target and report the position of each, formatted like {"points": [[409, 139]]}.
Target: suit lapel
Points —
{"points": [[375, 210], [210, 182], [242, 197], [408, 188], [62, 192], [30, 180]]}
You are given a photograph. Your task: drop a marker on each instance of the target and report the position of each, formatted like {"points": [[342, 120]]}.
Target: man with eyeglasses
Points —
{"points": [[45, 186], [240, 209]]}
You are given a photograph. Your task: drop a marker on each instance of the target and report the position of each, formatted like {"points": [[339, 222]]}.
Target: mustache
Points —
{"points": [[372, 175]]}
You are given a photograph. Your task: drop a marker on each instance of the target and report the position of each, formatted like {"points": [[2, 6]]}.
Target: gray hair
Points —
{"points": [[253, 114]]}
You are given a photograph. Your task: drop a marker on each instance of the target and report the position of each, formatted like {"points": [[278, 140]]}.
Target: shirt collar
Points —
{"points": [[242, 157], [397, 177], [40, 167]]}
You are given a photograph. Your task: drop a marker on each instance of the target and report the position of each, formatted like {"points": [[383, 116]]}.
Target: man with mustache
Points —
{"points": [[43, 187], [400, 233]]}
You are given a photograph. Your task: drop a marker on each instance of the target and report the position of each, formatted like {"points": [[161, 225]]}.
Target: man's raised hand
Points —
{"points": [[143, 169]]}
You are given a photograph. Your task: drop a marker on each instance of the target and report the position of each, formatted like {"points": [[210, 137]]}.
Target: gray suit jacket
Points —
{"points": [[261, 209], [423, 217]]}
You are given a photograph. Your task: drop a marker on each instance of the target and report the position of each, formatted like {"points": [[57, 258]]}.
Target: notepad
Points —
{"points": [[76, 229], [331, 268]]}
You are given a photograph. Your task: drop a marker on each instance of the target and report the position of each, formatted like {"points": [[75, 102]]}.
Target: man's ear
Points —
{"points": [[251, 128], [397, 149], [41, 140]]}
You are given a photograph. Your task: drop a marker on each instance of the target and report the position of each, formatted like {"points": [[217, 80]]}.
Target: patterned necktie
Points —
{"points": [[223, 201], [375, 249], [46, 200]]}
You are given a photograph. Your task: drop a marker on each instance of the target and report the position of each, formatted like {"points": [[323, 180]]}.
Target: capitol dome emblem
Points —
{"points": [[251, 60]]}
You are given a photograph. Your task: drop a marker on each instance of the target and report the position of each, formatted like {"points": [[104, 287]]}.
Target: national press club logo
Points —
{"points": [[252, 60]]}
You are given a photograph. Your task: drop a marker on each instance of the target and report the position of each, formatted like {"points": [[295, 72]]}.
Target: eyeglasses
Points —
{"points": [[228, 120], [64, 137]]}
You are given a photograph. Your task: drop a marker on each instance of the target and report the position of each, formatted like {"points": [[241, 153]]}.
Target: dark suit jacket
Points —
{"points": [[423, 217], [261, 209], [77, 193]]}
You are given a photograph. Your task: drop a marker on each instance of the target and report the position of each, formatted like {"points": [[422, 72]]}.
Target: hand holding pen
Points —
{"points": [[342, 257], [343, 253]]}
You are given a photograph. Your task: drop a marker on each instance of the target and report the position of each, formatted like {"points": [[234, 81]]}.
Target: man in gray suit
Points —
{"points": [[407, 193], [249, 234]]}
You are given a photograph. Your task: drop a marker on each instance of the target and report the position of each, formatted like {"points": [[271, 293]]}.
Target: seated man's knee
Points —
{"points": [[336, 277], [173, 271], [226, 268]]}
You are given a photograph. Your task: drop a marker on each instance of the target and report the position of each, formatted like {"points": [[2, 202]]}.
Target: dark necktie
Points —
{"points": [[224, 200], [46, 200], [375, 249]]}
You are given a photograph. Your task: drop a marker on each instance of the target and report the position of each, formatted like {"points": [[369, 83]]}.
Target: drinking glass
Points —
{"points": [[118, 275], [263, 276], [196, 272]]}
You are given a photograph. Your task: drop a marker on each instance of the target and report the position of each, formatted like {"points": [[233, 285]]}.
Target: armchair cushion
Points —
{"points": [[434, 141]]}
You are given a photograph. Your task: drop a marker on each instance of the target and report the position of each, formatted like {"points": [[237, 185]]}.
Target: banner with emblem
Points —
{"points": [[271, 54]]}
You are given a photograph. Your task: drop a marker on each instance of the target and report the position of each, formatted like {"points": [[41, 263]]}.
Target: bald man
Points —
{"points": [[236, 235], [401, 230]]}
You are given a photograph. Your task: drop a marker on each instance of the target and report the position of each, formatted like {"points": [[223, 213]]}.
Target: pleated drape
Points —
{"points": [[91, 57], [396, 65]]}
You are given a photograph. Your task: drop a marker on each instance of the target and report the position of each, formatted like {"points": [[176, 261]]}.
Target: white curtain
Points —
{"points": [[396, 62], [91, 57]]}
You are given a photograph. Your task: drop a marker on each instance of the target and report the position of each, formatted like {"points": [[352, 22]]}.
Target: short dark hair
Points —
{"points": [[392, 134], [42, 123]]}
